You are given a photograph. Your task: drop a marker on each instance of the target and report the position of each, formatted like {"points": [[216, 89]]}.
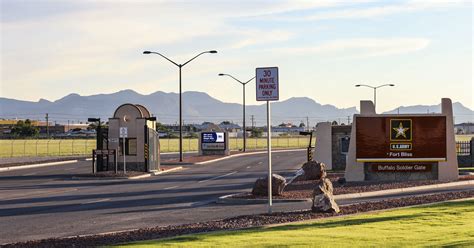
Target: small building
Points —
{"points": [[132, 133], [464, 128]]}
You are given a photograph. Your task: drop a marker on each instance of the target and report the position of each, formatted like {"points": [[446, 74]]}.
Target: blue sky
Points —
{"points": [[323, 48]]}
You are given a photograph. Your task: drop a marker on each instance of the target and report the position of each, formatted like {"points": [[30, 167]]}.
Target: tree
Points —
{"points": [[302, 124], [256, 133], [25, 129], [162, 128], [225, 123]]}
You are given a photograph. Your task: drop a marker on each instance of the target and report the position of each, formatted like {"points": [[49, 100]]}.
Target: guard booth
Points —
{"points": [[132, 132]]}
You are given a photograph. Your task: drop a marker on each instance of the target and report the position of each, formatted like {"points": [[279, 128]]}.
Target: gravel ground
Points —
{"points": [[235, 223], [304, 189]]}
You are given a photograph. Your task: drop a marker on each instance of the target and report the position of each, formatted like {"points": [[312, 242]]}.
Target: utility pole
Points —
{"points": [[47, 124], [68, 125], [348, 119], [253, 123], [307, 122]]}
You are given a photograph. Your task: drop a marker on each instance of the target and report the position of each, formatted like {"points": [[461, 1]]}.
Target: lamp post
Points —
{"points": [[180, 95], [99, 145], [243, 106], [375, 90]]}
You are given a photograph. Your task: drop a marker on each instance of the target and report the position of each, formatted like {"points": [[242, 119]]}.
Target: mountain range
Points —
{"points": [[197, 108]]}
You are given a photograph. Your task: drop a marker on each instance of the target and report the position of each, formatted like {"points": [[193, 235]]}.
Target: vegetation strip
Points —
{"points": [[240, 222], [447, 224]]}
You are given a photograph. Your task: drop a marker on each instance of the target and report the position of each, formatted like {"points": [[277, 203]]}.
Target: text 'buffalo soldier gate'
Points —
{"points": [[132, 131], [402, 147]]}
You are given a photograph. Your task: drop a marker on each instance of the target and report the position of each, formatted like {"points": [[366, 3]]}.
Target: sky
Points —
{"points": [[323, 48]]}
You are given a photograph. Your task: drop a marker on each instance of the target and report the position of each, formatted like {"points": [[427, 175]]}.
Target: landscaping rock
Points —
{"points": [[313, 170], [260, 187], [323, 199]]}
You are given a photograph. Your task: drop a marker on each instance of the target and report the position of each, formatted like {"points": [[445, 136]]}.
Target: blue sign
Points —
{"points": [[213, 137]]}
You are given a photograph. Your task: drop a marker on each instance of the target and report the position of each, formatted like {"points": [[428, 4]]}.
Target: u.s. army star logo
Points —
{"points": [[401, 129]]}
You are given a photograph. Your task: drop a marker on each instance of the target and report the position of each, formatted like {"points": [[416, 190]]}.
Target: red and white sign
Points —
{"points": [[267, 84]]}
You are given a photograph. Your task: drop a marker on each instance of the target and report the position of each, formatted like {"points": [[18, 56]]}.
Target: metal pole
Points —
{"points": [[375, 99], [244, 129], [93, 161], [124, 163], [269, 153], [180, 119], [116, 160]]}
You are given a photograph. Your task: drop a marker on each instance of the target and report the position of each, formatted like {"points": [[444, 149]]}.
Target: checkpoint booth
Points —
{"points": [[402, 147], [132, 132]]}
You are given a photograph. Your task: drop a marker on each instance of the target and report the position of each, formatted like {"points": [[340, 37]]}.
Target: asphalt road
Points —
{"points": [[45, 202]]}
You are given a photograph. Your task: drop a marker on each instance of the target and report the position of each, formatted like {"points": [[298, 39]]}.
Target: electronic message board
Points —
{"points": [[401, 138], [213, 140]]}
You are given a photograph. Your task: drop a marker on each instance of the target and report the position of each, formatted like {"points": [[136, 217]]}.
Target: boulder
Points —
{"points": [[313, 170], [260, 187], [323, 199]]}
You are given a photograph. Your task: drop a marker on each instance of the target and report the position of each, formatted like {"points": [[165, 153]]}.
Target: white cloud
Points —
{"points": [[371, 12], [362, 47]]}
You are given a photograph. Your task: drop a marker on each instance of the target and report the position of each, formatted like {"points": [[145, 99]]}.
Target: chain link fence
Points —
{"points": [[73, 147]]}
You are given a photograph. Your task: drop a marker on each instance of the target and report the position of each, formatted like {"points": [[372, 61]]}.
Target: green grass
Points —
{"points": [[172, 145], [447, 224], [44, 147], [464, 137], [67, 147], [471, 169]]}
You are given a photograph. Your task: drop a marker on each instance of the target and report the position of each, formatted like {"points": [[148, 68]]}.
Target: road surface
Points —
{"points": [[46, 202]]}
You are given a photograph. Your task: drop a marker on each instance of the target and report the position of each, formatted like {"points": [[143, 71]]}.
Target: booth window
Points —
{"points": [[130, 146]]}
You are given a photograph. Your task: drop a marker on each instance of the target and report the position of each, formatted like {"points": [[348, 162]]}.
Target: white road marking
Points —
{"points": [[259, 163], [248, 167], [210, 179], [173, 187], [96, 201]]}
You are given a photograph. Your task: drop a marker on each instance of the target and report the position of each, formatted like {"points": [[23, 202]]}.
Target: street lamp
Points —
{"points": [[243, 105], [375, 90], [180, 96]]}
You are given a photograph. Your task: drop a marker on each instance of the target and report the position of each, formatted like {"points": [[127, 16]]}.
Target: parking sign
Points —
{"points": [[267, 84], [123, 132]]}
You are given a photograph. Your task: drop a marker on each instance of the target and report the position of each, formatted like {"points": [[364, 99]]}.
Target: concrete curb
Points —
{"points": [[112, 178], [228, 200], [401, 190], [22, 167], [128, 178], [246, 154], [168, 171]]}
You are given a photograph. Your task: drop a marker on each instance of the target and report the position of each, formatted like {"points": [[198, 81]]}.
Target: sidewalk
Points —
{"points": [[19, 161]]}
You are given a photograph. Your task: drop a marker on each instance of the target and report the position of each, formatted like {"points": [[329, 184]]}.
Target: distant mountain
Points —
{"points": [[197, 108], [461, 113]]}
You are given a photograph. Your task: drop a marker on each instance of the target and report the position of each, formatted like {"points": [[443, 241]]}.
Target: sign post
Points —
{"points": [[267, 89], [123, 135]]}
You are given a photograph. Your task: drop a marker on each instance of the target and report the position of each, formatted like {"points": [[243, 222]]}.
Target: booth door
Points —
{"points": [[153, 158]]}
